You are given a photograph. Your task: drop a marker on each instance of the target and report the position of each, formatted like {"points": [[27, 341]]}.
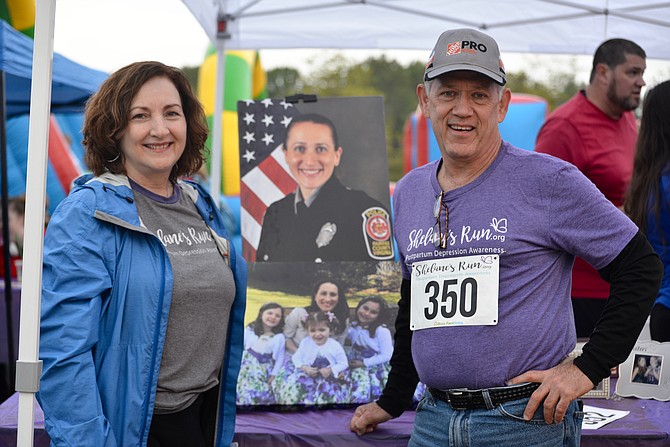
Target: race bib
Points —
{"points": [[455, 292]]}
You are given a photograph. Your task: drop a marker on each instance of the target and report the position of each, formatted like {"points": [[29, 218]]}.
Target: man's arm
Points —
{"points": [[634, 276], [402, 380]]}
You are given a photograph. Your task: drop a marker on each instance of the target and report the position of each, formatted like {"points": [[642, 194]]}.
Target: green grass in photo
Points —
{"points": [[257, 297]]}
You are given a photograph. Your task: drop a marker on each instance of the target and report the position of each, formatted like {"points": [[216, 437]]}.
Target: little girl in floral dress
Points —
{"points": [[263, 357], [371, 349], [320, 363]]}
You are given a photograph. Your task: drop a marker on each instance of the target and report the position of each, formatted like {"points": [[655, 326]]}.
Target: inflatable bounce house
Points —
{"points": [[245, 79], [72, 85], [20, 14], [66, 155], [524, 119]]}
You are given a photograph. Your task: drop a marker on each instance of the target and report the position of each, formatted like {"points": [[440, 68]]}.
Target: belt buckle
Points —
{"points": [[459, 399]]}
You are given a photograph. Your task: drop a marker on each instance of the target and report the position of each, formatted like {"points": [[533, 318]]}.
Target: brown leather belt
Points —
{"points": [[464, 399]]}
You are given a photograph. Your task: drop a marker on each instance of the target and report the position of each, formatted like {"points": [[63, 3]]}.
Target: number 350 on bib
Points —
{"points": [[459, 291]]}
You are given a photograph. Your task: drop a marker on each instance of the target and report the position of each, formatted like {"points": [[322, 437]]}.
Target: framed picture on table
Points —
{"points": [[602, 390], [646, 372]]}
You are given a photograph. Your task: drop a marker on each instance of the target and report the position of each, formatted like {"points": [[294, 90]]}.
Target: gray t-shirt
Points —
{"points": [[536, 213], [202, 296]]}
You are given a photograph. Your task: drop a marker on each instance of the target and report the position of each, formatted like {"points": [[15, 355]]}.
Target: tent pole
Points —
{"points": [[28, 367], [5, 238], [217, 131], [217, 125]]}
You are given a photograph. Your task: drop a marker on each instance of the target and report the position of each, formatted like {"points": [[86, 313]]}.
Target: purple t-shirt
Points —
{"points": [[537, 212]]}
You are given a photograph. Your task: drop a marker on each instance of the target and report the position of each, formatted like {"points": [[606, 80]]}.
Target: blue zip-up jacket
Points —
{"points": [[107, 288]]}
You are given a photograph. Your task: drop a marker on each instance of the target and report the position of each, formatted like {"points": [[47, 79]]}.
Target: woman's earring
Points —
{"points": [[115, 158]]}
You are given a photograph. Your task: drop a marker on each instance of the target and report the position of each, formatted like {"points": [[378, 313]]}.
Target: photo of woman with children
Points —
{"points": [[327, 352]]}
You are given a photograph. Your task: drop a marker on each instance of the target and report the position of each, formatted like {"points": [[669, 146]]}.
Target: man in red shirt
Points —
{"points": [[596, 131]]}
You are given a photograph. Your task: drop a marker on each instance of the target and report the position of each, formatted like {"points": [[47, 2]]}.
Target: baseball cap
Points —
{"points": [[466, 49]]}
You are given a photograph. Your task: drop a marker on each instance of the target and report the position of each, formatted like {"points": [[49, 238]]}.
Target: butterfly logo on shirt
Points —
{"points": [[499, 225]]}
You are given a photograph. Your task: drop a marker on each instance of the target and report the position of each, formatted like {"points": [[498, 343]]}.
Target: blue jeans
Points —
{"points": [[438, 425]]}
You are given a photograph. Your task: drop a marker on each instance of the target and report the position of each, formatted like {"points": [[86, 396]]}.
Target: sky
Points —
{"points": [[164, 30], [108, 34]]}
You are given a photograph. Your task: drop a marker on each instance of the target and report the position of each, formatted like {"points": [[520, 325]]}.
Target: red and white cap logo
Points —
{"points": [[453, 48]]}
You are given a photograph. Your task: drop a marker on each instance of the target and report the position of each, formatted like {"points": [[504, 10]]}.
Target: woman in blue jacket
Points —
{"points": [[143, 294]]}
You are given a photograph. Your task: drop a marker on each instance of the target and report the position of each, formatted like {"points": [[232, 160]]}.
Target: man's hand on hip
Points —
{"points": [[560, 385]]}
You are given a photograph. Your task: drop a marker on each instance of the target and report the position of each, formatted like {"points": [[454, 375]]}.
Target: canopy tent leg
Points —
{"points": [[38, 138], [217, 131]]}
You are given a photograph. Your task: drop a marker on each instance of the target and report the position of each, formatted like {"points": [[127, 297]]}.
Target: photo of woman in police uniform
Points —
{"points": [[326, 218]]}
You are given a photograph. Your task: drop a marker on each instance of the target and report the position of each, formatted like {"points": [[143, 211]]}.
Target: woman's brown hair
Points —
{"points": [[107, 115], [652, 159]]}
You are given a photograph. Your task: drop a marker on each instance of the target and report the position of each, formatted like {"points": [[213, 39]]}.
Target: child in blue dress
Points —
{"points": [[320, 364], [263, 357], [371, 349]]}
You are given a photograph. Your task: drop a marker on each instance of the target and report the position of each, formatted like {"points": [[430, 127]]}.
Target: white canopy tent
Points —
{"points": [[524, 26], [519, 26], [534, 26]]}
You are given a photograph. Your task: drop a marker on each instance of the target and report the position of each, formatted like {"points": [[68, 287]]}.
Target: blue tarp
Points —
{"points": [[72, 83]]}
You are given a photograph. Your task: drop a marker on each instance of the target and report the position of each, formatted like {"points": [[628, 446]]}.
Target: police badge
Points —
{"points": [[326, 234]]}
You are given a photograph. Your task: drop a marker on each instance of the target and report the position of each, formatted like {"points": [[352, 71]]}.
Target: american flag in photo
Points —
{"points": [[264, 175]]}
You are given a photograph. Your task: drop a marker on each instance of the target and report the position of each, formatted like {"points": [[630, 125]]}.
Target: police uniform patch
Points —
{"points": [[377, 232]]}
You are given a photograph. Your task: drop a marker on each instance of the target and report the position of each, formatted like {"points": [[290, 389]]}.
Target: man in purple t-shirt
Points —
{"points": [[487, 237]]}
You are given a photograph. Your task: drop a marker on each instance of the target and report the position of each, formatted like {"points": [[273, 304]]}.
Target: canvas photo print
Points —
{"points": [[317, 234]]}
